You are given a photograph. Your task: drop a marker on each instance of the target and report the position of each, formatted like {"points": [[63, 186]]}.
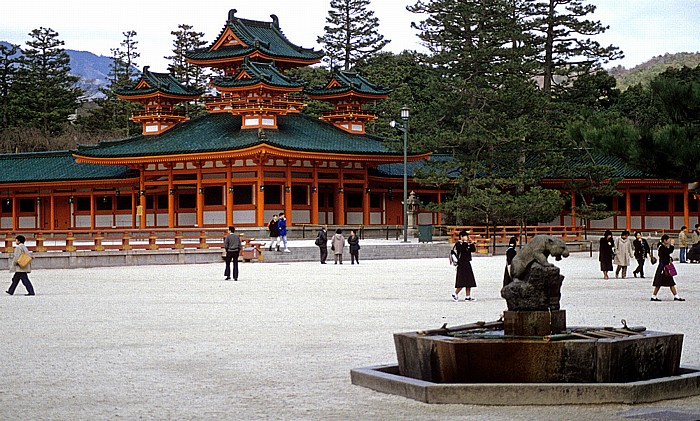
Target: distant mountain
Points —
{"points": [[646, 71], [93, 70]]}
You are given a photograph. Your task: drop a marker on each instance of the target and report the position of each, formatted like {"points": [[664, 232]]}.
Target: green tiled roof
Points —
{"points": [[54, 166], [159, 82], [265, 37], [259, 72], [349, 81], [575, 160], [218, 132]]}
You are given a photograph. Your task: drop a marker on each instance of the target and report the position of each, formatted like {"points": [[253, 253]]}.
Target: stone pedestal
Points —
{"points": [[534, 323]]}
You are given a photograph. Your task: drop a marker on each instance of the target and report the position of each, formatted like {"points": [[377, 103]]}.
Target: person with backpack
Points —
{"points": [[274, 232], [462, 251], [322, 243], [233, 246]]}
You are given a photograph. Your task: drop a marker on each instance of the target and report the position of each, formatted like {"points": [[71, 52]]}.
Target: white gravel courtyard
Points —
{"points": [[179, 342]]}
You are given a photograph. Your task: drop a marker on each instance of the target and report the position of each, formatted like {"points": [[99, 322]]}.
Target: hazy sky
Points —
{"points": [[642, 28]]}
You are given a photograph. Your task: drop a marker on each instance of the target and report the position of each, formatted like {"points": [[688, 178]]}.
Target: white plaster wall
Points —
{"points": [[6, 222], [657, 223], [353, 218], [104, 220], [123, 220], [301, 216], [269, 213], [606, 223], [27, 222], [375, 218], [162, 219], [215, 217], [245, 217], [425, 218], [186, 219], [82, 221]]}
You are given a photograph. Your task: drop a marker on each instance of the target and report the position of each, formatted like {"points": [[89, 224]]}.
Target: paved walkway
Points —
{"points": [[178, 342]]}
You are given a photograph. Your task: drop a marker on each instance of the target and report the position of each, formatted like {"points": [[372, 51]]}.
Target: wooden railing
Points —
{"points": [[154, 239], [482, 235]]}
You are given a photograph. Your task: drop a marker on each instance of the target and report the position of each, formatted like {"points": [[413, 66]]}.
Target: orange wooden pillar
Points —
{"points": [[141, 210], [314, 195], [229, 195], [52, 212], [628, 210], [340, 198], [200, 197], [288, 194], [260, 194], [92, 210], [171, 198], [365, 203]]}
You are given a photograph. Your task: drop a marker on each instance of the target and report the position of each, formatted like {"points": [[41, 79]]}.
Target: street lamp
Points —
{"points": [[405, 114]]}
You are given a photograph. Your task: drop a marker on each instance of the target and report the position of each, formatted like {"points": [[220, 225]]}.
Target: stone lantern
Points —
{"points": [[412, 205]]}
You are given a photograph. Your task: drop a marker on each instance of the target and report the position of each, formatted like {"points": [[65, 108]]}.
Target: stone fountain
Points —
{"points": [[530, 356]]}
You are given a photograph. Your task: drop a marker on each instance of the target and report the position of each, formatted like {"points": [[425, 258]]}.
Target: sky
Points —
{"points": [[641, 28]]}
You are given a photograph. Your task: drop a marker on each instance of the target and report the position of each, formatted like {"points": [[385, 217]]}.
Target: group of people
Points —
{"points": [[693, 242], [622, 250], [278, 232], [338, 245]]}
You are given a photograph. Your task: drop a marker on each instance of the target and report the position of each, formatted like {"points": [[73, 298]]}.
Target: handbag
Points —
{"points": [[653, 260], [670, 270], [332, 248], [23, 260]]}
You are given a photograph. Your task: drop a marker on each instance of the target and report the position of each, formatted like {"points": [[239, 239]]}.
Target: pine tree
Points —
{"points": [[8, 72], [486, 111], [567, 49], [192, 76], [46, 91], [351, 33], [113, 115]]}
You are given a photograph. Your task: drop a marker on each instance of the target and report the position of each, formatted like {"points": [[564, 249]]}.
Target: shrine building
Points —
{"points": [[254, 154]]}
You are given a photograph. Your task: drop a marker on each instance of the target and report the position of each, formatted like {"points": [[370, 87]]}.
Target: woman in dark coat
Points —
{"points": [[606, 252], [354, 244], [660, 279], [510, 254], [465, 275]]}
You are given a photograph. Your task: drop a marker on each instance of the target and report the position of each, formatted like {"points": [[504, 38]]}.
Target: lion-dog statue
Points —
{"points": [[536, 282]]}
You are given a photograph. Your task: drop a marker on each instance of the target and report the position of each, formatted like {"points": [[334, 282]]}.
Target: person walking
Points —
{"points": [[641, 251], [232, 245], [683, 243], [606, 251], [274, 232], [21, 273], [661, 279], [322, 243], [282, 227], [465, 275], [354, 246], [623, 253], [510, 254], [337, 245]]}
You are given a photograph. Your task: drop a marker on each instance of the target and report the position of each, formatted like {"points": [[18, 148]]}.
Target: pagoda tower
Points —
{"points": [[159, 93], [252, 57], [348, 92], [259, 93]]}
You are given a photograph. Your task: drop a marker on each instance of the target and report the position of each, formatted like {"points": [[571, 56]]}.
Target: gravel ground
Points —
{"points": [[178, 342]]}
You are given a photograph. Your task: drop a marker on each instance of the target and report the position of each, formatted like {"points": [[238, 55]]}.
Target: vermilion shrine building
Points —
{"points": [[254, 155]]}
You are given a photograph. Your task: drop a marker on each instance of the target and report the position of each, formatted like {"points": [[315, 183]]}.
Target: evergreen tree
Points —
{"points": [[351, 33], [113, 115], [9, 61], [567, 49], [186, 39], [486, 112], [46, 91]]}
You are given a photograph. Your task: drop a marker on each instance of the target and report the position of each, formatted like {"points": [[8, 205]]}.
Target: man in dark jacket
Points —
{"points": [[232, 245], [322, 243]]}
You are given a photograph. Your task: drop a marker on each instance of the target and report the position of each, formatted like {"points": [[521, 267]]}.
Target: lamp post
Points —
{"points": [[405, 114]]}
